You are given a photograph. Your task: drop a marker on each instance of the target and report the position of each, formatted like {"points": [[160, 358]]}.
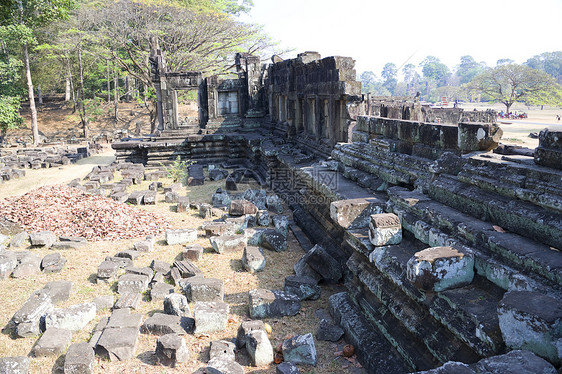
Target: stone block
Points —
{"points": [[177, 305], [8, 262], [162, 324], [478, 136], [228, 243], [220, 366], [53, 263], [217, 174], [28, 317], [273, 240], [242, 207], [300, 350], [53, 342], [263, 218], [198, 289], [440, 268], [210, 317], [245, 329], [205, 211], [103, 302], [160, 290], [385, 229], [259, 348], [79, 359], [193, 252], [265, 303], [14, 364], [322, 263], [19, 240], [221, 199], [73, 318], [253, 259], [171, 349], [146, 245], [107, 270], [182, 204], [172, 197], [532, 321], [131, 283], [219, 228], [136, 198], [119, 344], [223, 350], [306, 288], [355, 213], [328, 331], [57, 291], [160, 266], [29, 264], [180, 236], [186, 269], [274, 203], [281, 224], [287, 368]]}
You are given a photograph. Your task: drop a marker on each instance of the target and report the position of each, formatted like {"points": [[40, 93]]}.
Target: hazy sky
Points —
{"points": [[406, 31]]}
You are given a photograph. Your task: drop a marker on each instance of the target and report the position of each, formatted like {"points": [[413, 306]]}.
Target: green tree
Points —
{"points": [[510, 83], [20, 19], [468, 69], [435, 75], [371, 84], [388, 75], [549, 62]]}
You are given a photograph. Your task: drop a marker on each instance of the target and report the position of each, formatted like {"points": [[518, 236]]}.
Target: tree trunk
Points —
{"points": [[40, 94], [67, 90], [127, 94], [507, 106], [116, 95], [108, 83], [32, 108], [82, 109]]}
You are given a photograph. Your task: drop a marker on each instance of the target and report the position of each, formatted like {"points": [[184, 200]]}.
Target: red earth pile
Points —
{"points": [[69, 211]]}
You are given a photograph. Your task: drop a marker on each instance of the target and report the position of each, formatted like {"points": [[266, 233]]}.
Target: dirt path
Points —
{"points": [[57, 175]]}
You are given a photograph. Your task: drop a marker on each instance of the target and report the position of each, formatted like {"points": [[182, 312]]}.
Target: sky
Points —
{"points": [[375, 32]]}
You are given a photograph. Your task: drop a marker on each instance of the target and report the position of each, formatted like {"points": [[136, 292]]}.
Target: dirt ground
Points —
{"points": [[82, 266]]}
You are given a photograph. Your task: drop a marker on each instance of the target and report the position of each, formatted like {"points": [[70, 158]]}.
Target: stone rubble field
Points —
{"points": [[189, 281]]}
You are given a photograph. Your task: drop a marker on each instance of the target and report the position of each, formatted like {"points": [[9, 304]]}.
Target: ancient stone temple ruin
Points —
{"points": [[448, 242]]}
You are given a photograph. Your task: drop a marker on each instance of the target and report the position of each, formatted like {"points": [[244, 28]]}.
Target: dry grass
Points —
{"points": [[82, 266]]}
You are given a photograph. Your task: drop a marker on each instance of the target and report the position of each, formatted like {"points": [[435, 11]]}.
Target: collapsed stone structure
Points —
{"points": [[339, 159]]}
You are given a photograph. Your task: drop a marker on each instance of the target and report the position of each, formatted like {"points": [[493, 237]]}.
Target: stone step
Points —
{"points": [[435, 223], [391, 262], [408, 325], [376, 354]]}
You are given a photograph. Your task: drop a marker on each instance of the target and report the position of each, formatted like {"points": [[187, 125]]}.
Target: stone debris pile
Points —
{"points": [[69, 211]]}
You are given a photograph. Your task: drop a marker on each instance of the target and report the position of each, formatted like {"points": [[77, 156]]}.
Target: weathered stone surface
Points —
{"points": [[204, 289], [205, 211], [8, 262], [30, 264], [329, 331], [281, 224], [306, 288], [242, 207], [131, 283], [160, 290], [119, 338], [73, 318], [79, 359], [478, 136], [300, 350], [245, 329], [171, 197], [532, 321], [42, 239], [210, 316], [287, 368], [129, 254], [149, 197], [219, 366], [440, 268], [122, 260], [274, 240], [263, 218], [14, 365], [186, 269], [223, 350], [259, 348], [68, 245], [176, 304], [128, 300], [108, 270], [355, 213], [146, 245], [193, 252], [103, 302], [323, 263], [19, 240], [265, 303], [160, 266], [162, 324], [221, 199], [385, 229], [180, 236], [58, 291], [53, 263], [219, 228], [217, 174], [171, 349], [228, 243], [253, 259], [27, 318], [274, 203], [53, 342]]}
